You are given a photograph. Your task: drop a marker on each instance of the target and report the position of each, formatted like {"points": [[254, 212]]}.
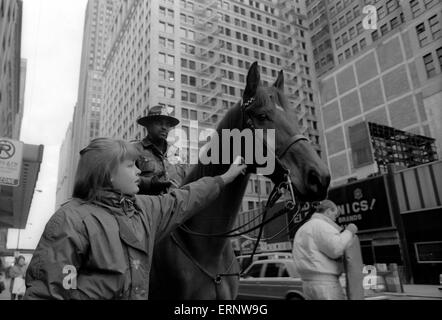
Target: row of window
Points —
{"points": [[346, 19], [355, 48], [386, 28], [190, 6], [426, 35], [430, 63], [418, 7]]}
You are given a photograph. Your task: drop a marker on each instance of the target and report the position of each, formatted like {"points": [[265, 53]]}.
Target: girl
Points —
{"points": [[99, 244]]}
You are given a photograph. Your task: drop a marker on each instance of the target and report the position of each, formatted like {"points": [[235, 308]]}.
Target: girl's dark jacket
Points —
{"points": [[103, 250]]}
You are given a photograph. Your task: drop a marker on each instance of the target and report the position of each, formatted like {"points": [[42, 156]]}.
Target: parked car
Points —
{"points": [[271, 279], [244, 260], [277, 278]]}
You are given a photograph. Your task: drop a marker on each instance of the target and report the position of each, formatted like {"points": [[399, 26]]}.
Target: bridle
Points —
{"points": [[284, 185], [287, 182]]}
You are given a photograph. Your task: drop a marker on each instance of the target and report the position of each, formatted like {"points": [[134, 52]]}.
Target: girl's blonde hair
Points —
{"points": [[97, 163]]}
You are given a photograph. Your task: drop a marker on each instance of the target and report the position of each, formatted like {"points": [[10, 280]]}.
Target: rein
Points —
{"points": [[277, 192]]}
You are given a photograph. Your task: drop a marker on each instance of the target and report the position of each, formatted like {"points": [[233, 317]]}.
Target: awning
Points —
{"points": [[15, 202]]}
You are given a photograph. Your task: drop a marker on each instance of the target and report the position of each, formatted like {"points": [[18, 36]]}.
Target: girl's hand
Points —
{"points": [[235, 170]]}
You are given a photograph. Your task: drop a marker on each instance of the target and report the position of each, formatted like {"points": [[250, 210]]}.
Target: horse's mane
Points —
{"points": [[232, 119]]}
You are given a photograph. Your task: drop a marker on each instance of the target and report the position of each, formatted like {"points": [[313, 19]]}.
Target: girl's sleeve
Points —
{"points": [[172, 209], [52, 271]]}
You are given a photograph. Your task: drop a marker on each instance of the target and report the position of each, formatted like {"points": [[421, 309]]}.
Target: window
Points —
{"points": [[394, 22], [435, 27], [422, 34], [384, 29], [415, 8], [355, 48], [347, 54], [340, 58], [439, 56], [272, 270], [374, 35], [359, 27], [185, 113], [255, 271], [429, 65], [363, 43], [352, 32], [338, 42], [429, 3], [391, 5], [344, 38]]}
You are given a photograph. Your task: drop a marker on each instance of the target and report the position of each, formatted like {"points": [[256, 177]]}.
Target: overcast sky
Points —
{"points": [[51, 42]]}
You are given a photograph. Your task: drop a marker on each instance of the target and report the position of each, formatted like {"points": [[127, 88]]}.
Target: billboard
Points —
{"points": [[363, 203], [360, 143]]}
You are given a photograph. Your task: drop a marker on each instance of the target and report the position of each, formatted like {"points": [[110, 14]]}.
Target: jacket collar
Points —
{"points": [[117, 202], [148, 144], [322, 217], [122, 207]]}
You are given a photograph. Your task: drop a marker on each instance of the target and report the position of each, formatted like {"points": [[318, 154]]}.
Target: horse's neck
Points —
{"points": [[220, 216]]}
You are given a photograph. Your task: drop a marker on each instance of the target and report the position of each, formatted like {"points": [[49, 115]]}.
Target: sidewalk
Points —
{"points": [[5, 295], [420, 290], [423, 290]]}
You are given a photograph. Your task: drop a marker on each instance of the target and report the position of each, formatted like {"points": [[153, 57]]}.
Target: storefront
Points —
{"points": [[419, 198], [367, 204]]}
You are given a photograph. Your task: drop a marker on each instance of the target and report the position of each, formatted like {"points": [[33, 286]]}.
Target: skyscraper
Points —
{"points": [[193, 57], [390, 75], [11, 112], [86, 120]]}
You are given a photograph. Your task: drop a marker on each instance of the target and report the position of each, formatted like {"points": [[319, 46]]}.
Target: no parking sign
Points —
{"points": [[11, 158]]}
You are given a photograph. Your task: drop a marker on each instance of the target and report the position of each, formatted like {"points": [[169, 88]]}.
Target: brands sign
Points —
{"points": [[363, 203]]}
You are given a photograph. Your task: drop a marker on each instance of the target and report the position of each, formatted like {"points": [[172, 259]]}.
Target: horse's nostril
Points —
{"points": [[314, 181]]}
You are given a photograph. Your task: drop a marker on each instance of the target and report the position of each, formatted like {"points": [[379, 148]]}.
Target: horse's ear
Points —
{"points": [[253, 80], [279, 83]]}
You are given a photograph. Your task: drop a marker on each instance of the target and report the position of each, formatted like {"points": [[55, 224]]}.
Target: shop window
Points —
{"points": [[428, 252]]}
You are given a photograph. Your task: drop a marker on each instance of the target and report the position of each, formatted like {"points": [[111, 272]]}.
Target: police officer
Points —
{"points": [[158, 175]]}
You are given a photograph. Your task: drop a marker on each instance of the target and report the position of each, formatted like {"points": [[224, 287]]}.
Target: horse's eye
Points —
{"points": [[262, 117]]}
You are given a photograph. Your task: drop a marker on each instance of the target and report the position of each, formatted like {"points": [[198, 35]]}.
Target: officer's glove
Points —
{"points": [[159, 186]]}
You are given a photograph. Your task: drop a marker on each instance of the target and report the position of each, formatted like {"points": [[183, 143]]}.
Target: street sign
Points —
{"points": [[11, 158]]}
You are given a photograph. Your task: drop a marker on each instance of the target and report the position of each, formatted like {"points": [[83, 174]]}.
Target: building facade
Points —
{"points": [[394, 80], [11, 111], [86, 119], [64, 179], [193, 57]]}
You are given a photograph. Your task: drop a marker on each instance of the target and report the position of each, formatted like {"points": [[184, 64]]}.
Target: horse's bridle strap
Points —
{"points": [[295, 139]]}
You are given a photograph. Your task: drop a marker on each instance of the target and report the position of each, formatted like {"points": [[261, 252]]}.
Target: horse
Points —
{"points": [[190, 267]]}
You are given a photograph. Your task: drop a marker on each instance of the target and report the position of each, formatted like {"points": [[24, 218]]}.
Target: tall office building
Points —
{"points": [[15, 200], [11, 111], [390, 76], [193, 57], [86, 119]]}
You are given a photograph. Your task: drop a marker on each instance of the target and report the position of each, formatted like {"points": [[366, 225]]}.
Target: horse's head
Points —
{"points": [[270, 109]]}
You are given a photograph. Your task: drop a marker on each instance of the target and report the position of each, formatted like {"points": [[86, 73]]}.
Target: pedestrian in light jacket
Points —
{"points": [[318, 249], [99, 244]]}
